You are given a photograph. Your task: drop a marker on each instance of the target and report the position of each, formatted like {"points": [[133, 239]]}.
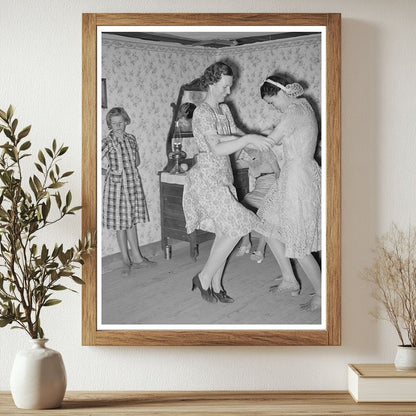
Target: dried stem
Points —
{"points": [[393, 277]]}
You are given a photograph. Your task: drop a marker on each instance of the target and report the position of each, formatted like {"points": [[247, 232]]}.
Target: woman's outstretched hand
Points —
{"points": [[259, 142]]}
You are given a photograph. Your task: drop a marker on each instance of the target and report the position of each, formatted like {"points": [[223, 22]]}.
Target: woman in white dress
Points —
{"points": [[291, 211]]}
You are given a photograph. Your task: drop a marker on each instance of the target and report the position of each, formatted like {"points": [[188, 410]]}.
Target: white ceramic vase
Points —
{"points": [[38, 377], [405, 358]]}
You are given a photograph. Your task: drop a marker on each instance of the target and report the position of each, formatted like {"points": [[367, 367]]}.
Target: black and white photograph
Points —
{"points": [[211, 167]]}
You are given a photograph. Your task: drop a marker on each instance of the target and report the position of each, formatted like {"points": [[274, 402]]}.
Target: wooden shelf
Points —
{"points": [[220, 403]]}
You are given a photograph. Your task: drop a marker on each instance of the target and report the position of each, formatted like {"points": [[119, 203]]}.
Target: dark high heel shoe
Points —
{"points": [[205, 294], [223, 297]]}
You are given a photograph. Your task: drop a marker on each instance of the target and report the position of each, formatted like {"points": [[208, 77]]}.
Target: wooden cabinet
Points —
{"points": [[172, 219]]}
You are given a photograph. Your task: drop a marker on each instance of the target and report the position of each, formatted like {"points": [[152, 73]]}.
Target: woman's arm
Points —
{"points": [[232, 144], [104, 153], [266, 132], [275, 164]]}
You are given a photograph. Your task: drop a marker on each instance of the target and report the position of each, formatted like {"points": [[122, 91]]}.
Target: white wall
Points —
{"points": [[40, 73]]}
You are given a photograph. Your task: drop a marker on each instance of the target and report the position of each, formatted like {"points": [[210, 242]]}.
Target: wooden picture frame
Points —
{"points": [[331, 334]]}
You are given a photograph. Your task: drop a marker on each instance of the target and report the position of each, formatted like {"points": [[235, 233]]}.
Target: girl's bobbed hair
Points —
{"points": [[117, 111], [214, 73]]}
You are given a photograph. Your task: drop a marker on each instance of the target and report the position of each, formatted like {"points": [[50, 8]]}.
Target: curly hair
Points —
{"points": [[268, 90], [214, 73], [117, 111]]}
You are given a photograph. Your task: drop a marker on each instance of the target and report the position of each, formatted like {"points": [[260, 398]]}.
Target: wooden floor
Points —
{"points": [[162, 295]]}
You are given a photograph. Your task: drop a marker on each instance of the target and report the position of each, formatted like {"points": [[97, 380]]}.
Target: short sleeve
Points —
{"points": [[135, 148], [227, 113], [204, 121], [204, 125]]}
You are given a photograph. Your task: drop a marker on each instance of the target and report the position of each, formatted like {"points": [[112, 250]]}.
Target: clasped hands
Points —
{"points": [[257, 141]]}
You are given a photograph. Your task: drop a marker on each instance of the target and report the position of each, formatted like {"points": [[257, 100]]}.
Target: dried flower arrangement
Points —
{"points": [[393, 277]]}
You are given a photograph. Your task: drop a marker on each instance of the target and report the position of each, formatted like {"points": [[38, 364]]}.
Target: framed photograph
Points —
{"points": [[103, 93], [165, 272]]}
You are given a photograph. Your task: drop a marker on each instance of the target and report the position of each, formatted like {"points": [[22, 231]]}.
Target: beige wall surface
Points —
{"points": [[40, 74]]}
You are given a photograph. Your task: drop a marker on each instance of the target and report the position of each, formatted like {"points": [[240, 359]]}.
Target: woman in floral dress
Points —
{"points": [[291, 211], [209, 198], [124, 203]]}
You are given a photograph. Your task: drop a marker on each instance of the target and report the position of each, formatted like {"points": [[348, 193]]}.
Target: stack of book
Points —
{"points": [[381, 383]]}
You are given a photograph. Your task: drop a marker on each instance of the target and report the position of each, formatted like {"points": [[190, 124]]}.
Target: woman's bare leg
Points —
{"points": [[122, 243], [245, 246], [220, 250], [258, 254], [278, 250], [133, 240], [312, 270], [261, 245], [216, 280]]}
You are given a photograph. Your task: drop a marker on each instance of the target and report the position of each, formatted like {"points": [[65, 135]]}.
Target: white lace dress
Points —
{"points": [[291, 211]]}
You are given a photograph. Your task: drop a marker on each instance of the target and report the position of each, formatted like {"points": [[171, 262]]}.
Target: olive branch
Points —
{"points": [[30, 274]]}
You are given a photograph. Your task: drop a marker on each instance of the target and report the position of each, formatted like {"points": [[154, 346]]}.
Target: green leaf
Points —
{"points": [[25, 145], [24, 132], [39, 167], [54, 145], [67, 174], [33, 187], [44, 253], [77, 208], [62, 257], [14, 125], [8, 133], [10, 112], [59, 287], [56, 185], [37, 182], [68, 199], [3, 115], [51, 302], [41, 157], [63, 150], [58, 199], [5, 321], [40, 331], [49, 152], [78, 280], [45, 211]]}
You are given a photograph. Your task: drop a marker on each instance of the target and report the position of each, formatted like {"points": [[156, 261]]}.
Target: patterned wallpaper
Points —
{"points": [[299, 58], [145, 79]]}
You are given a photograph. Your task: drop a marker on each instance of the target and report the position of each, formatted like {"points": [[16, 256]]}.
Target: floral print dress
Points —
{"points": [[291, 211], [124, 203], [209, 197]]}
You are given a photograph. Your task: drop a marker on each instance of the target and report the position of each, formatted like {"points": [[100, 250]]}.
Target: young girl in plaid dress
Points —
{"points": [[124, 203]]}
